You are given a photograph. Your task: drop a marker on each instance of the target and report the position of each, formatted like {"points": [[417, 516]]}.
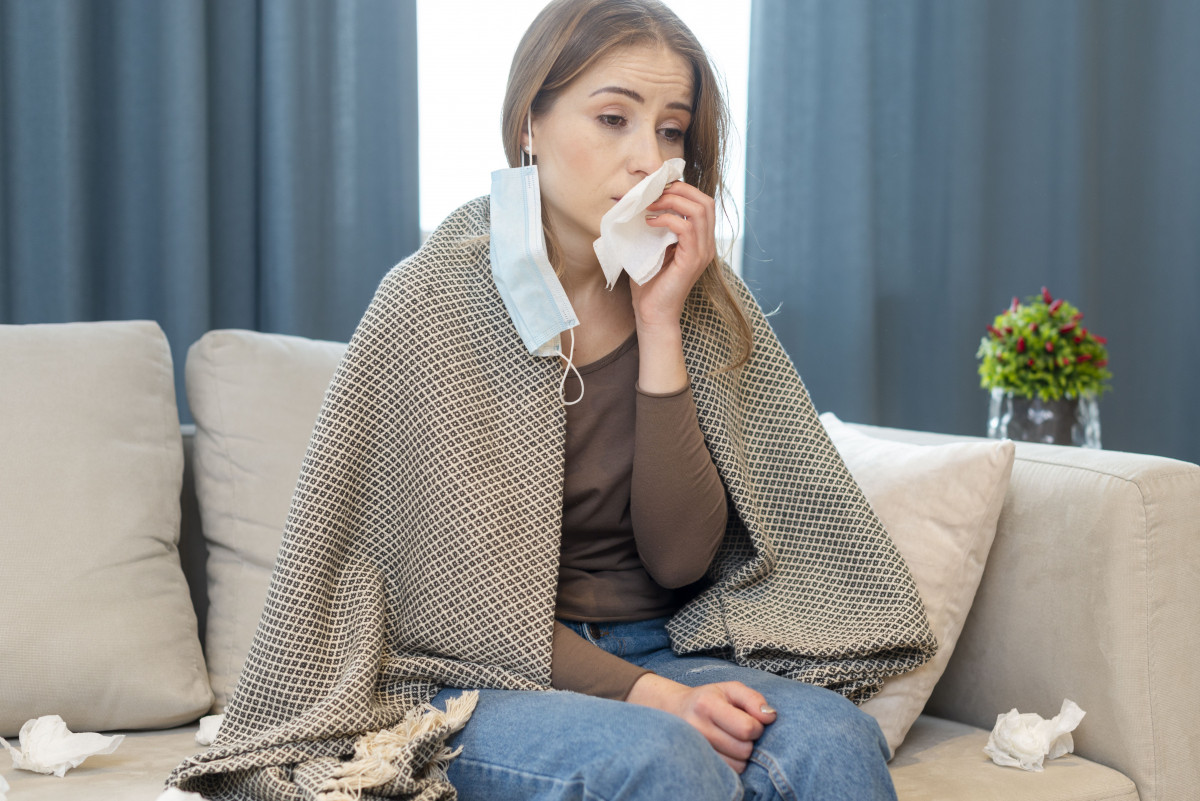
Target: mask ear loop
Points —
{"points": [[528, 151], [562, 385]]}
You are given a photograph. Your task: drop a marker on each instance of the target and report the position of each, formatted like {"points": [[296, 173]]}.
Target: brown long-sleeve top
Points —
{"points": [[643, 513]]}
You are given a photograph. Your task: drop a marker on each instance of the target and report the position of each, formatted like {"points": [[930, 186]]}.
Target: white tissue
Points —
{"points": [[1022, 741], [48, 746], [209, 726], [626, 242]]}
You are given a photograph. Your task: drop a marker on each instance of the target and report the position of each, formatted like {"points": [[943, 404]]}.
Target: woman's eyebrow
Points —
{"points": [[620, 90]]}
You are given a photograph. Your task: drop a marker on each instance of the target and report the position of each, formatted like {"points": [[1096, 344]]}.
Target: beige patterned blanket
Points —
{"points": [[422, 545]]}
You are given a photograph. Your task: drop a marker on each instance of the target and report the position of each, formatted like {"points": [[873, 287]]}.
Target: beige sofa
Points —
{"points": [[1091, 592]]}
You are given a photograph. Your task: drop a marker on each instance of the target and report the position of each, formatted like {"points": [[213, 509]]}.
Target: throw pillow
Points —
{"points": [[255, 398], [96, 624], [940, 503]]}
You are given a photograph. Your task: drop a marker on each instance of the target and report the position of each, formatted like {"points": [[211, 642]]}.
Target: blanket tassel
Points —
{"points": [[375, 753]]}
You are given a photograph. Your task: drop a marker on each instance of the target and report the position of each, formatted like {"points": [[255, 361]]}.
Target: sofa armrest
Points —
{"points": [[1091, 592]]}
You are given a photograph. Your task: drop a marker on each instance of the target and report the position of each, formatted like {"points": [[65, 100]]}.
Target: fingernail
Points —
{"points": [[767, 710]]}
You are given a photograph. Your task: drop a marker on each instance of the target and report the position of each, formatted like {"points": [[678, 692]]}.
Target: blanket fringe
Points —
{"points": [[376, 753]]}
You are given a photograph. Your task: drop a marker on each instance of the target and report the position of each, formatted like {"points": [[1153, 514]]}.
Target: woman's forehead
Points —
{"points": [[651, 67]]}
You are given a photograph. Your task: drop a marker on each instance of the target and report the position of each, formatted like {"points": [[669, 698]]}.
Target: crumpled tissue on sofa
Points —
{"points": [[1023, 741], [209, 726], [48, 746]]}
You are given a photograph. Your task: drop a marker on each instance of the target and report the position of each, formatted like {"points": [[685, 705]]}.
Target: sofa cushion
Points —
{"points": [[944, 761], [255, 398], [96, 624], [940, 504]]}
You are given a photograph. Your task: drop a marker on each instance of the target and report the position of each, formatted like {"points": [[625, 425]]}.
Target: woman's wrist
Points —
{"points": [[661, 368], [654, 691]]}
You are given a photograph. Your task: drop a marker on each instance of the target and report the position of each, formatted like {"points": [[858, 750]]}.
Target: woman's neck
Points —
{"points": [[581, 274]]}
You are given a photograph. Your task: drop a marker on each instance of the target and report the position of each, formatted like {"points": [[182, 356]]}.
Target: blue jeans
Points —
{"points": [[539, 746]]}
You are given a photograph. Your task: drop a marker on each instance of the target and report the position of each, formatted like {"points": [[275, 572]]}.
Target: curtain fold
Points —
{"points": [[913, 165], [205, 163]]}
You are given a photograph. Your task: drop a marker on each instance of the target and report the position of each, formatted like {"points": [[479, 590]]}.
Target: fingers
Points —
{"points": [[737, 723], [718, 711], [690, 215], [738, 765], [730, 730], [686, 200], [684, 215], [726, 745], [697, 245], [750, 701]]}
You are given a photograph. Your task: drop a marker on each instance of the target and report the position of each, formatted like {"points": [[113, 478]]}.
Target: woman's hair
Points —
{"points": [[565, 39]]}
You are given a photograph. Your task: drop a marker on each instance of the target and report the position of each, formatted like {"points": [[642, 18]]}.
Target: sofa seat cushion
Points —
{"points": [[942, 760], [135, 771]]}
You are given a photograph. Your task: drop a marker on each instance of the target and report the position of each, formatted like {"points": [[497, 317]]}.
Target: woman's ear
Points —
{"points": [[524, 137]]}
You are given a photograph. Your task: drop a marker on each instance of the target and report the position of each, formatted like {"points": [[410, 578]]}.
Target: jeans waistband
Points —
{"points": [[626, 638]]}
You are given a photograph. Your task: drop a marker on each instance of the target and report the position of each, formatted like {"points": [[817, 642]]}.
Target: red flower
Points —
{"points": [[994, 332], [1064, 361], [1033, 326], [1066, 328], [1046, 296], [1077, 316], [1008, 328], [1015, 303], [1056, 305], [1078, 340], [1021, 345], [1083, 357], [1031, 362], [1050, 347], [1102, 363], [1102, 340]]}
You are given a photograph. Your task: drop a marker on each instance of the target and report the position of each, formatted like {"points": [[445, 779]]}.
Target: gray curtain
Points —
{"points": [[913, 164], [205, 163]]}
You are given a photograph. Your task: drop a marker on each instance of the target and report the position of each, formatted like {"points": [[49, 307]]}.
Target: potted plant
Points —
{"points": [[1045, 371]]}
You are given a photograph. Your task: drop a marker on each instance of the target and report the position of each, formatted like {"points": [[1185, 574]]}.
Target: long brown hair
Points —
{"points": [[563, 41]]}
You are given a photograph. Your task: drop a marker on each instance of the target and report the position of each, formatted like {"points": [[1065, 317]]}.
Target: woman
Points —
{"points": [[682, 547]]}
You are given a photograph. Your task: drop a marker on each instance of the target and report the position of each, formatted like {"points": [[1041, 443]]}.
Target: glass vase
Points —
{"points": [[1069, 421]]}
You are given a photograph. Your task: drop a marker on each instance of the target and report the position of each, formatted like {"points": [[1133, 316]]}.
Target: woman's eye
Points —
{"points": [[612, 120], [672, 134]]}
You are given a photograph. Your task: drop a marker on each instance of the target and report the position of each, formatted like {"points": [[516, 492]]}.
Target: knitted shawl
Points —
{"points": [[421, 548]]}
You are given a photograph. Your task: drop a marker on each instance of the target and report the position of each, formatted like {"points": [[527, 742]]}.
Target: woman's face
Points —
{"points": [[606, 131]]}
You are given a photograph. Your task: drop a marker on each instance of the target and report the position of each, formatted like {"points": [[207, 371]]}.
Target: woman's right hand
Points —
{"points": [[729, 714]]}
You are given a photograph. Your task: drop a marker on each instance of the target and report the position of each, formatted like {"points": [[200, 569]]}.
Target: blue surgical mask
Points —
{"points": [[532, 293]]}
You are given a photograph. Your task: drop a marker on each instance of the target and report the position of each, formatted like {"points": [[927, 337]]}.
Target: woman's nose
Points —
{"points": [[646, 153]]}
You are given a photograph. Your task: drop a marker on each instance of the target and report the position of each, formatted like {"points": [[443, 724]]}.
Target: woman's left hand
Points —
{"points": [[691, 215]]}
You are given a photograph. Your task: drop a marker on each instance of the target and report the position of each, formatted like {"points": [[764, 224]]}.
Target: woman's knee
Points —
{"points": [[661, 756], [844, 728], [828, 749]]}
